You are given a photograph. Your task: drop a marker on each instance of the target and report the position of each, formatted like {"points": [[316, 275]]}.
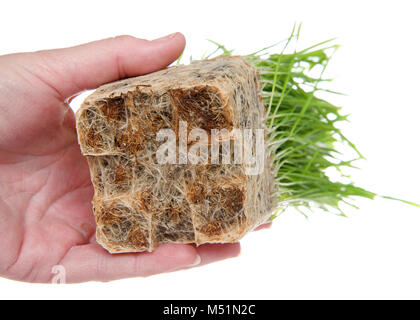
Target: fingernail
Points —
{"points": [[196, 262], [170, 36]]}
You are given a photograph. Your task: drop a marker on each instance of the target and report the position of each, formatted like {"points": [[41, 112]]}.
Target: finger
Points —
{"points": [[215, 252], [92, 263], [263, 226], [88, 66]]}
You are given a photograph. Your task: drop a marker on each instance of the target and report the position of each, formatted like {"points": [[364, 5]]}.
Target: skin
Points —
{"points": [[46, 217]]}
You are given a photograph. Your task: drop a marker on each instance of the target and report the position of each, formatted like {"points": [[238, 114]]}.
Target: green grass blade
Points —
{"points": [[303, 132]]}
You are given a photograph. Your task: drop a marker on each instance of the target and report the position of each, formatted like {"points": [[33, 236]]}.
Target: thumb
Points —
{"points": [[72, 70]]}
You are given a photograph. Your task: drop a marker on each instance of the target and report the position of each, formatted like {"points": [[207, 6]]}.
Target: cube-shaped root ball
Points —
{"points": [[173, 156]]}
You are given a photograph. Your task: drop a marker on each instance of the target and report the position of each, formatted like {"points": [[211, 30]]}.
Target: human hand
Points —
{"points": [[46, 217]]}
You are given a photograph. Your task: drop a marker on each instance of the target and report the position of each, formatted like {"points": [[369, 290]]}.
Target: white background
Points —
{"points": [[375, 252]]}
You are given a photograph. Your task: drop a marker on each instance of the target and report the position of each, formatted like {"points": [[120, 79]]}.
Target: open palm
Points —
{"points": [[46, 216]]}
